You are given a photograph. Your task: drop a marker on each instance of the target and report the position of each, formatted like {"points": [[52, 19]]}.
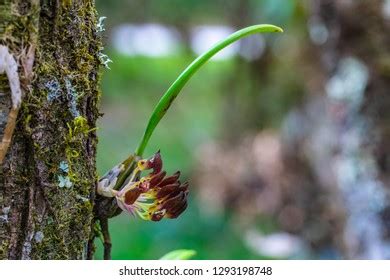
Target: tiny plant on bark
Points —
{"points": [[154, 196]]}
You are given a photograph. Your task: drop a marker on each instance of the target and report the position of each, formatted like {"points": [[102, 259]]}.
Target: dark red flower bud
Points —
{"points": [[154, 196]]}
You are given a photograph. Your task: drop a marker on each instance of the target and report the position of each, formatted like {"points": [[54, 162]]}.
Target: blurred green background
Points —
{"points": [[208, 109]]}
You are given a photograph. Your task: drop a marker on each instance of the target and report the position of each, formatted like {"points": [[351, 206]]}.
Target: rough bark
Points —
{"points": [[343, 128], [347, 141], [48, 179], [356, 59]]}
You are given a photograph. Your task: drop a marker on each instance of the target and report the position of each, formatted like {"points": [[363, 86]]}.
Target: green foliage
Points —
{"points": [[181, 254]]}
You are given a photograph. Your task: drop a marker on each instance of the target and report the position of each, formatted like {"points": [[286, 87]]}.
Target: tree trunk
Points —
{"points": [[48, 178], [354, 47], [356, 58]]}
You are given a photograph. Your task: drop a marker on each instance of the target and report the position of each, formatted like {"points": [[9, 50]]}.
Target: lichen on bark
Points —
{"points": [[41, 217]]}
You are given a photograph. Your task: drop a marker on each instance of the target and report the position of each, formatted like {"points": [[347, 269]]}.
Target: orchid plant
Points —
{"points": [[155, 196]]}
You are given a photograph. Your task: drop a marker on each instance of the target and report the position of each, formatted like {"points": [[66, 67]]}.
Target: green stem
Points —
{"points": [[172, 92]]}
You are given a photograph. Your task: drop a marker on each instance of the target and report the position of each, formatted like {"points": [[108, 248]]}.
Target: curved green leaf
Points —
{"points": [[172, 92], [181, 254]]}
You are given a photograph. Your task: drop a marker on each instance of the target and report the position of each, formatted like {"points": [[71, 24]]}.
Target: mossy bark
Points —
{"points": [[48, 179], [357, 53]]}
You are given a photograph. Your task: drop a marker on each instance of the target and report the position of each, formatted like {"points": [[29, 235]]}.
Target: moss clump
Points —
{"points": [[4, 249], [78, 130]]}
